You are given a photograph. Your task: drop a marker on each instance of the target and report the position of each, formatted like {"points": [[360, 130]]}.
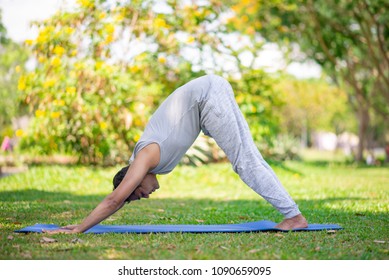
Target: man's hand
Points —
{"points": [[146, 160], [71, 229]]}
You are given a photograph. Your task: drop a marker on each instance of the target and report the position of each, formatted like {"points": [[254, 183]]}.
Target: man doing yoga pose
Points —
{"points": [[205, 104]]}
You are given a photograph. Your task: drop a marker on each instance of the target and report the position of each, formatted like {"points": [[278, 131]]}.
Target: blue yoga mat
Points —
{"points": [[246, 227]]}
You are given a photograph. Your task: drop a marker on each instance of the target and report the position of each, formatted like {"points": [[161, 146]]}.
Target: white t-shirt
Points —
{"points": [[175, 125]]}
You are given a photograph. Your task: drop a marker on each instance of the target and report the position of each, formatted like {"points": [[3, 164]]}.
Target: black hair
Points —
{"points": [[118, 178]]}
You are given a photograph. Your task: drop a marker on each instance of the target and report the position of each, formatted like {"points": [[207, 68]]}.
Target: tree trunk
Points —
{"points": [[304, 135], [364, 120]]}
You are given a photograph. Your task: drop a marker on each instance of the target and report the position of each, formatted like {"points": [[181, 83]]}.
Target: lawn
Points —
{"points": [[351, 196]]}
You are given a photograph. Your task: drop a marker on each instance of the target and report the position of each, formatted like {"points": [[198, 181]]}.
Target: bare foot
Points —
{"points": [[292, 223]]}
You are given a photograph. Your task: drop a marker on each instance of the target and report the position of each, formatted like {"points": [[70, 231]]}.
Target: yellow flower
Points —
{"points": [[71, 90], [39, 113], [162, 59], [119, 17], [69, 30], [252, 9], [59, 102], [141, 56], [109, 39], [250, 30], [45, 33], [102, 15], [137, 122], [42, 38], [109, 28], [99, 65], [22, 83], [19, 133], [239, 98], [49, 83], [160, 23], [108, 68], [233, 20], [29, 42], [236, 8], [85, 3], [79, 65], [103, 125], [190, 39], [136, 137], [55, 115], [41, 59], [58, 50], [56, 61], [18, 69], [134, 68]]}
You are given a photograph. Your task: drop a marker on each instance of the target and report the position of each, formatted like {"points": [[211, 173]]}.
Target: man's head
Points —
{"points": [[118, 178], [148, 185]]}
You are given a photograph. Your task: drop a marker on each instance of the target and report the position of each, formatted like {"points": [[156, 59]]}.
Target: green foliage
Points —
{"points": [[258, 100], [283, 147], [12, 59], [349, 39], [313, 105], [104, 68], [203, 151], [3, 31]]}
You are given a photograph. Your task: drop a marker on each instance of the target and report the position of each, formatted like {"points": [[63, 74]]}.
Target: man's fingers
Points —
{"points": [[133, 197], [60, 230], [138, 192], [69, 227]]}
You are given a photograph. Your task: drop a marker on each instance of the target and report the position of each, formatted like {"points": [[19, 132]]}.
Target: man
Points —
{"points": [[205, 104]]}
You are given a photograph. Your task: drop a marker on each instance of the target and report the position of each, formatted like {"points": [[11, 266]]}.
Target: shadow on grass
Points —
{"points": [[45, 196], [49, 207], [344, 163], [282, 165]]}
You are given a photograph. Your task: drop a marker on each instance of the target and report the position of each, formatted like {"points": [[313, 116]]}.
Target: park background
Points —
{"points": [[311, 78]]}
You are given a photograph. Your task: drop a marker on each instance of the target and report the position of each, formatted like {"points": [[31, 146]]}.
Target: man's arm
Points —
{"points": [[146, 159]]}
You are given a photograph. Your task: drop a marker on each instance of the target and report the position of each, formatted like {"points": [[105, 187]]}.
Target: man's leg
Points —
{"points": [[222, 119]]}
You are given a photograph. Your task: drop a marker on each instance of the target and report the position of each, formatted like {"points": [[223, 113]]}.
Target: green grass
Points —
{"points": [[354, 197]]}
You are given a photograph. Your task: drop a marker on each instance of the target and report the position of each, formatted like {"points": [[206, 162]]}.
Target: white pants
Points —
{"points": [[221, 118]]}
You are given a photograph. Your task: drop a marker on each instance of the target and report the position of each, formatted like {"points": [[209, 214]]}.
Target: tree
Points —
{"points": [[103, 67], [3, 31], [12, 59], [348, 38], [313, 105]]}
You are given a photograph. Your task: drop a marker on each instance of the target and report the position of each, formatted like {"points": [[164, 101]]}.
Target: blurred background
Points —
{"points": [[79, 79]]}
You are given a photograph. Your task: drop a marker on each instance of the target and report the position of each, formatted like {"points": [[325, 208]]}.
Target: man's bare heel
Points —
{"points": [[292, 223]]}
